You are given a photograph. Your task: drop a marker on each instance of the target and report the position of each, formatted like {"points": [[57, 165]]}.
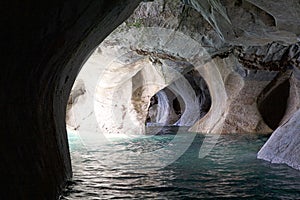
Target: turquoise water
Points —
{"points": [[230, 171]]}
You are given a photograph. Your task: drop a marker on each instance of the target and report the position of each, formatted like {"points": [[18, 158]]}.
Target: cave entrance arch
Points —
{"points": [[171, 103], [51, 40], [130, 62], [165, 108], [50, 54]]}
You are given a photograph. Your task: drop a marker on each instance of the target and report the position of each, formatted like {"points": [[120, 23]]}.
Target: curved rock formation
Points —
{"points": [[46, 43], [251, 53], [135, 66], [191, 102], [234, 92], [122, 96], [284, 144], [160, 112], [122, 108]]}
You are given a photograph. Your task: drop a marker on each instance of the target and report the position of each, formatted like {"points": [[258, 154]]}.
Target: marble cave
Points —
{"points": [[227, 72]]}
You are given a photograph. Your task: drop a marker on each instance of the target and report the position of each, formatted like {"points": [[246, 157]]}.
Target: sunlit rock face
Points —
{"points": [[160, 111], [233, 45], [253, 90], [138, 63], [246, 51], [254, 86], [117, 94], [234, 92], [284, 144], [177, 94], [123, 107]]}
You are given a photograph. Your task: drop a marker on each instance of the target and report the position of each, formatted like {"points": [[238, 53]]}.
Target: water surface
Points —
{"points": [[230, 171]]}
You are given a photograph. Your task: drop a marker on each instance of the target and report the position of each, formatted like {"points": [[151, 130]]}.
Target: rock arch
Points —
{"points": [[134, 66], [46, 44]]}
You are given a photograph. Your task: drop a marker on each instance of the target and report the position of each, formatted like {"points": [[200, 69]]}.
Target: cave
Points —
{"points": [[274, 105], [175, 107], [238, 49], [169, 101], [156, 107]]}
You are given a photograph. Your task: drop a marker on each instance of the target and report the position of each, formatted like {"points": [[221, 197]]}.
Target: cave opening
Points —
{"points": [[165, 108], [176, 102], [274, 106], [45, 45], [129, 87]]}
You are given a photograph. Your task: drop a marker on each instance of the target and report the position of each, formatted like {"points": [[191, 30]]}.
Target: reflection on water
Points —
{"points": [[230, 171]]}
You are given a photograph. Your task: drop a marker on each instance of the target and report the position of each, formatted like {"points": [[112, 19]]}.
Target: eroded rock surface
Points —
{"points": [[293, 103], [284, 144], [247, 51], [120, 98], [237, 33], [234, 92]]}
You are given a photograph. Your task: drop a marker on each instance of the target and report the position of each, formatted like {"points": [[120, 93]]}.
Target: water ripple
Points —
{"points": [[230, 171]]}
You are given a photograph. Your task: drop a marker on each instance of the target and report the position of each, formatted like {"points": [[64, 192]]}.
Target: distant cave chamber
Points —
{"points": [[169, 105], [165, 108]]}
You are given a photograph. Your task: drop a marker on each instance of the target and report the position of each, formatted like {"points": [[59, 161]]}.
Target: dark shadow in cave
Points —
{"points": [[273, 107], [176, 106]]}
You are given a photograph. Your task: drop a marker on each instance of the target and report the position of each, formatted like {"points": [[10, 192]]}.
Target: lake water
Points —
{"points": [[229, 171]]}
